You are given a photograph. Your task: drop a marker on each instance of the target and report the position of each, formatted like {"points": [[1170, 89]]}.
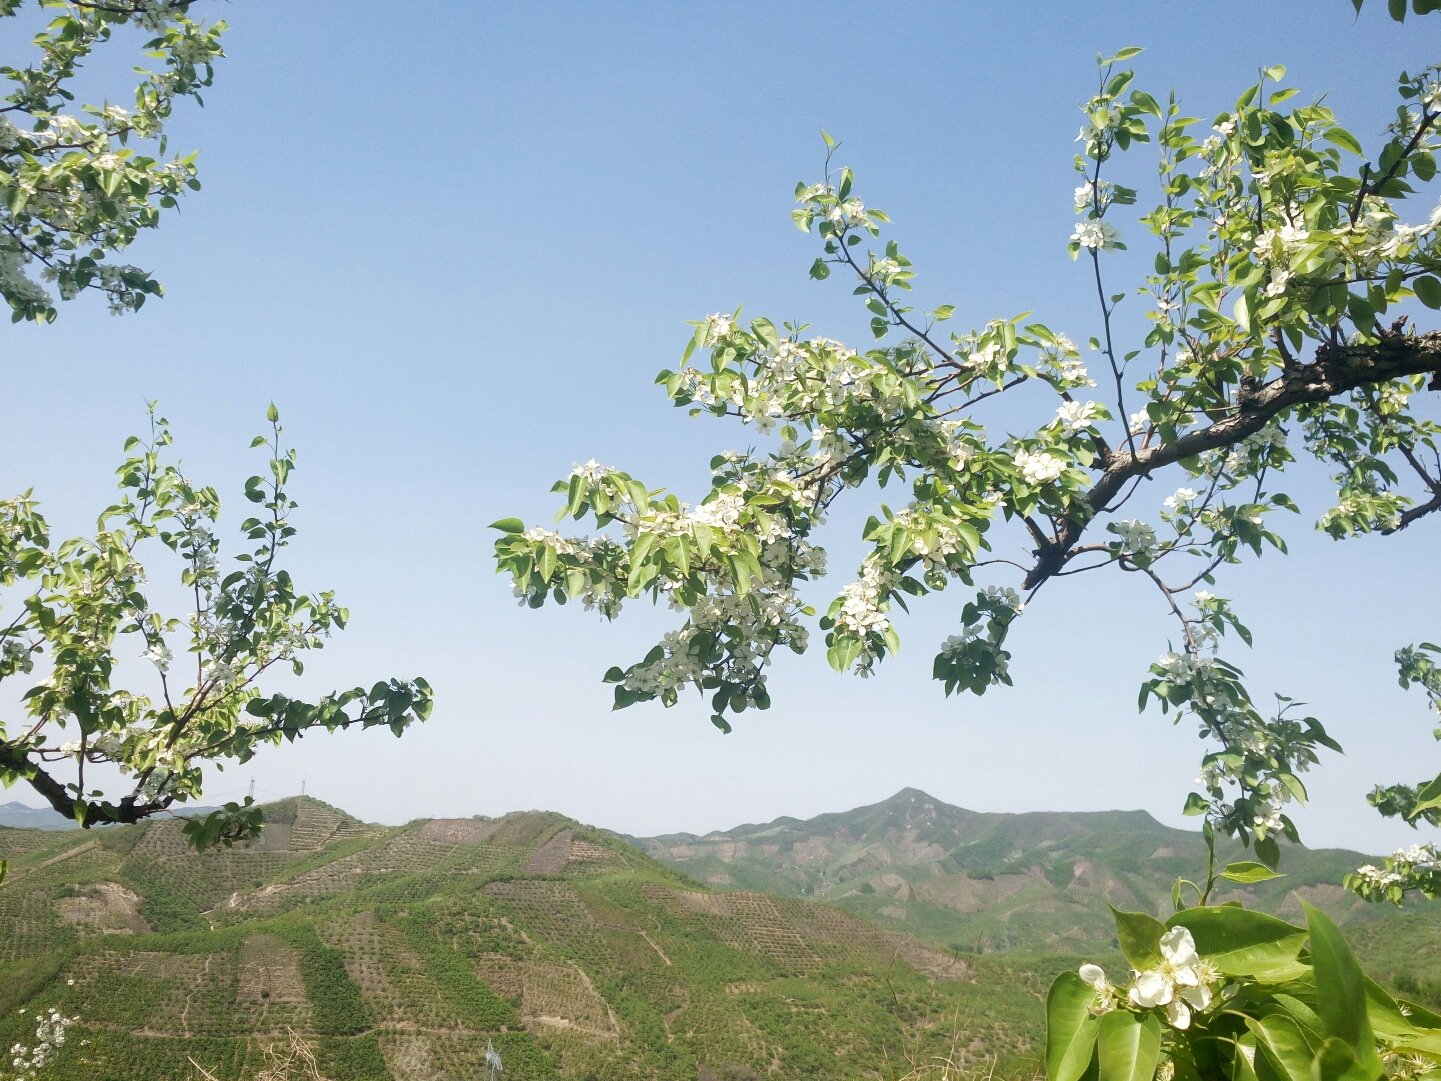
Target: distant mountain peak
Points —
{"points": [[914, 795]]}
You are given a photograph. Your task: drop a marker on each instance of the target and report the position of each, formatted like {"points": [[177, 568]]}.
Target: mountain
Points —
{"points": [[19, 816], [978, 882], [404, 952]]}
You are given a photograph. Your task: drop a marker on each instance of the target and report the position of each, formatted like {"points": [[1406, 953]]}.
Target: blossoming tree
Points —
{"points": [[1287, 263], [81, 599], [76, 187], [78, 184]]}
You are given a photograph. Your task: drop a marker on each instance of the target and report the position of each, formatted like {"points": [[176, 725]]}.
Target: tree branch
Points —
{"points": [[1337, 369]]}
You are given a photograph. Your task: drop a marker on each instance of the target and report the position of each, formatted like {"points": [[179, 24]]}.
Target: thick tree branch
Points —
{"points": [[12, 757], [1337, 369]]}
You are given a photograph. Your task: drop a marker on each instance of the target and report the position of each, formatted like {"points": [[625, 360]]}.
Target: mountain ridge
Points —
{"points": [[977, 881]]}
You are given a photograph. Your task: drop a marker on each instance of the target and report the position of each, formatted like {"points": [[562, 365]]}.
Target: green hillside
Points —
{"points": [[983, 883], [399, 953]]}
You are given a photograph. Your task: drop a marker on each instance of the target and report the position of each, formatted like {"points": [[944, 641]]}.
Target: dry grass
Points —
{"points": [[292, 1062]]}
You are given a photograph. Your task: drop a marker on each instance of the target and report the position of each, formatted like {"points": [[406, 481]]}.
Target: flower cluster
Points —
{"points": [[1039, 467], [1179, 985], [1416, 867], [1079, 416], [1137, 539], [1096, 236], [27, 1062]]}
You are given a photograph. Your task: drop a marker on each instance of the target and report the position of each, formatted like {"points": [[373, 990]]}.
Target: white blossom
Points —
{"points": [[1096, 235], [1180, 498], [1038, 467], [159, 654], [1179, 984], [1077, 416]]}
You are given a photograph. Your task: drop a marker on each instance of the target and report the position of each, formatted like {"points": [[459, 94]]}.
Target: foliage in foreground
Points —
{"points": [[1218, 991]]}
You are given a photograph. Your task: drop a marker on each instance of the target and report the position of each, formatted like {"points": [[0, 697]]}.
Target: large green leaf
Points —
{"points": [[1428, 798], [1070, 1028], [1337, 1062], [1140, 937], [1129, 1046], [1340, 989], [1244, 943], [1387, 1020], [1284, 1044]]}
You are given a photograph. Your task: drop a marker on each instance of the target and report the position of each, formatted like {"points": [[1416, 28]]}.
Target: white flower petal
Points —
{"points": [[1178, 947], [1152, 989], [1178, 1013], [1199, 997], [1093, 975]]}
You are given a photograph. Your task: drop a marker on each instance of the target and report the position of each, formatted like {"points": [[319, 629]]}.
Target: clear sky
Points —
{"points": [[455, 241]]}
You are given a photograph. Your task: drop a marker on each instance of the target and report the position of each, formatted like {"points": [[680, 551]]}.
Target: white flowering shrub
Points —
{"points": [[79, 182], [82, 614], [26, 1061]]}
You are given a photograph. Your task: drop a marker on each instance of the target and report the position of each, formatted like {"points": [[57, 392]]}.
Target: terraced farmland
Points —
{"points": [[399, 953]]}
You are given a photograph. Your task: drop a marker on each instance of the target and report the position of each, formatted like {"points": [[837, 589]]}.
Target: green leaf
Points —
{"points": [[1242, 1061], [1337, 1062], [1070, 1028], [1428, 290], [1249, 871], [1428, 797], [1244, 943], [1129, 1046], [1140, 936], [1340, 987], [1344, 139], [509, 525], [1284, 1044]]}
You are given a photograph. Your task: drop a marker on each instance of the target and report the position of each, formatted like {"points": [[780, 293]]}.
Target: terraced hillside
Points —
{"points": [[400, 953], [980, 883]]}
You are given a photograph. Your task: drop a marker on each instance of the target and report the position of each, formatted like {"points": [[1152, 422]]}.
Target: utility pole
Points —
{"points": [[252, 788], [302, 788]]}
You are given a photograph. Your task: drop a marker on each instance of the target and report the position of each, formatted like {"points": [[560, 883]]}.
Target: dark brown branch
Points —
{"points": [[13, 757], [1338, 369]]}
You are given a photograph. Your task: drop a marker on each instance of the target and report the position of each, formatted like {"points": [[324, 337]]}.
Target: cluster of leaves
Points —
{"points": [[1279, 1002], [78, 600], [1416, 867], [78, 185]]}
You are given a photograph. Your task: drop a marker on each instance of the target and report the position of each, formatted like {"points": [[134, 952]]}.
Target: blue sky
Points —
{"points": [[455, 241]]}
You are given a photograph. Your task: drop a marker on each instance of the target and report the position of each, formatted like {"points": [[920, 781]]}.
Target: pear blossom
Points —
{"points": [[1038, 467], [1077, 416], [716, 327], [1137, 538], [1179, 499], [591, 470], [1096, 235], [159, 654], [1179, 984]]}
